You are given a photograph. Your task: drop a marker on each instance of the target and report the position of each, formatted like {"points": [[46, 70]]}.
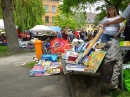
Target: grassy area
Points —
{"points": [[117, 93], [120, 94], [3, 51], [31, 64]]}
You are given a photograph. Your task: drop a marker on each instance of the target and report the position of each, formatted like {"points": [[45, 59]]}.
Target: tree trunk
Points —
{"points": [[10, 29]]}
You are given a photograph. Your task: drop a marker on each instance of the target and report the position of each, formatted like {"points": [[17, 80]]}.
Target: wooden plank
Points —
{"points": [[87, 73]]}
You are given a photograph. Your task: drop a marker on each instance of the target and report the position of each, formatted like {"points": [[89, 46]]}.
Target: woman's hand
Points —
{"points": [[101, 26], [116, 36]]}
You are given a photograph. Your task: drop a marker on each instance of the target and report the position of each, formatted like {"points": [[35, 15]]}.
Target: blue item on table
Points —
{"points": [[49, 57]]}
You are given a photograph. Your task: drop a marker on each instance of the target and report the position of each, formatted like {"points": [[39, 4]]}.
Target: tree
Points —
{"points": [[68, 5], [28, 13], [79, 18], [12, 38], [63, 20]]}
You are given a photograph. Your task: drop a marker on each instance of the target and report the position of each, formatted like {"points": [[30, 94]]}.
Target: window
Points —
{"points": [[53, 9], [53, 19], [93, 21], [87, 20], [47, 19], [47, 8]]}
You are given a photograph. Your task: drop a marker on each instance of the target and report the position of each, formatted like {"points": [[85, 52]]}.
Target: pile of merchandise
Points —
{"points": [[76, 61], [48, 65], [83, 56]]}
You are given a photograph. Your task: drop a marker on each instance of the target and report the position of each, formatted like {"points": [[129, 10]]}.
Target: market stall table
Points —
{"points": [[83, 84]]}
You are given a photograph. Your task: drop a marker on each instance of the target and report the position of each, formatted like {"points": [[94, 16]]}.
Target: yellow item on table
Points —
{"points": [[124, 43]]}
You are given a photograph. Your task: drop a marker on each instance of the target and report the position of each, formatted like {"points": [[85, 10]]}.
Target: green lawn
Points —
{"points": [[3, 50]]}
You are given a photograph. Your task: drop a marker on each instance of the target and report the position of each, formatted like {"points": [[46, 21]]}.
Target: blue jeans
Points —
{"points": [[105, 38]]}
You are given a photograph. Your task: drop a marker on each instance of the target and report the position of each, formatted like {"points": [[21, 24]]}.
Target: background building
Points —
{"points": [[90, 22], [51, 8]]}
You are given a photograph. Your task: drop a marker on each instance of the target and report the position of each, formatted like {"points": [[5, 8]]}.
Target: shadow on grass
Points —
{"points": [[116, 93]]}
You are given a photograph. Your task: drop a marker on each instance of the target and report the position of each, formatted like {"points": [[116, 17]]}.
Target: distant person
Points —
{"points": [[81, 34], [71, 35], [76, 34], [59, 35], [94, 33], [64, 35], [85, 36], [31, 35], [24, 38]]}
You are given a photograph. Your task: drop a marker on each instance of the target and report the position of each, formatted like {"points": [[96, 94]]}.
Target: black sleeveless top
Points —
{"points": [[127, 31]]}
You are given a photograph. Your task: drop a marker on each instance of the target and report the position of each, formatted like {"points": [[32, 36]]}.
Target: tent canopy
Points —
{"points": [[41, 28], [1, 24], [55, 28]]}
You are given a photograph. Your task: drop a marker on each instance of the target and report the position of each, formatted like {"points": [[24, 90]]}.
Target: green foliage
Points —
{"points": [[28, 13], [79, 19], [0, 13], [69, 6], [122, 94], [62, 20]]}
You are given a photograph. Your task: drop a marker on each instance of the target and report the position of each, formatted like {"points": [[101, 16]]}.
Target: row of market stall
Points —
{"points": [[82, 56]]}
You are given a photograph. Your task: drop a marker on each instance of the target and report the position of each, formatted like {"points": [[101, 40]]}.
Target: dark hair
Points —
{"points": [[115, 11]]}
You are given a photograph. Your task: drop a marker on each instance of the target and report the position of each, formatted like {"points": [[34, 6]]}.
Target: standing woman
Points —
{"points": [[111, 31]]}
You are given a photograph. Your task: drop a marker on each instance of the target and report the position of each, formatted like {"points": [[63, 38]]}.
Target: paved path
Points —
{"points": [[15, 80]]}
